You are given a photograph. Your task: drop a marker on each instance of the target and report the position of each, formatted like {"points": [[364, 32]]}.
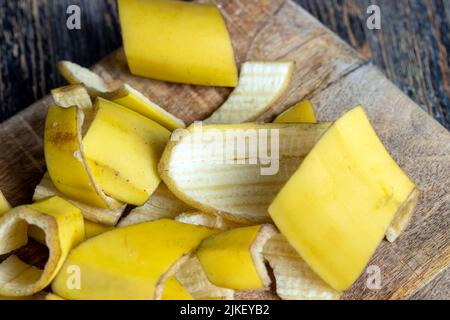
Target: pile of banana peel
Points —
{"points": [[128, 211]]}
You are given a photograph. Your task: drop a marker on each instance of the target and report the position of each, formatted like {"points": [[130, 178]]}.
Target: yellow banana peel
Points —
{"points": [[76, 74], [148, 253], [233, 259], [122, 149], [129, 97], [294, 279], [62, 224], [261, 84], [108, 217], [4, 204], [206, 171], [338, 205], [162, 204], [303, 112], [192, 38], [92, 229]]}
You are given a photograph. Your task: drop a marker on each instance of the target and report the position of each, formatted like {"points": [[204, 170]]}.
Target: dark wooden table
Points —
{"points": [[412, 48]]}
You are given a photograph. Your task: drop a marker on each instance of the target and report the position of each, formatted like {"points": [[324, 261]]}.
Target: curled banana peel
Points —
{"points": [[4, 204], [52, 296], [148, 253], [76, 74], [203, 169], [162, 204], [261, 84], [192, 277], [294, 279], [65, 157], [108, 217], [303, 112], [192, 38], [234, 259], [346, 193], [207, 220], [134, 100], [122, 149], [62, 224]]}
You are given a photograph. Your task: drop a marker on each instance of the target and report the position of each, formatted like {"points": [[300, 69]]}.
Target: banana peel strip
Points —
{"points": [[76, 74], [131, 98], [108, 217], [204, 170], [62, 224], [234, 259], [149, 253], [66, 163], [295, 280], [162, 204], [260, 85]]}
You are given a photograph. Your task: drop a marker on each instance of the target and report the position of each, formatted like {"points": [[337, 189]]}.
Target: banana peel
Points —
{"points": [[346, 193], [122, 149], [235, 189], [76, 74], [162, 204], [303, 112], [134, 100], [234, 259], [148, 253], [192, 38], [4, 204], [62, 224], [109, 217], [261, 84], [294, 279]]}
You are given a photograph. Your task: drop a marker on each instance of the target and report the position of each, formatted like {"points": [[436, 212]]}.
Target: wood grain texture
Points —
{"points": [[413, 47], [336, 78]]}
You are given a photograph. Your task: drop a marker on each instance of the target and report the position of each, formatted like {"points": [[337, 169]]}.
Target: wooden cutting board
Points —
{"points": [[336, 79]]}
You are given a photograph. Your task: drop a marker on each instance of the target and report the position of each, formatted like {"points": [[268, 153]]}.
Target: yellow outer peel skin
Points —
{"points": [[4, 204], [64, 156], [227, 260], [173, 290], [143, 252], [336, 208], [123, 149], [92, 229], [136, 101], [177, 41], [303, 112]]}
